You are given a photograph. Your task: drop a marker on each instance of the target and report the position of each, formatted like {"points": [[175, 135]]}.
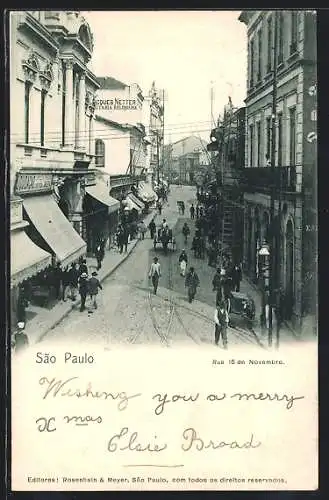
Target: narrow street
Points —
{"points": [[128, 313]]}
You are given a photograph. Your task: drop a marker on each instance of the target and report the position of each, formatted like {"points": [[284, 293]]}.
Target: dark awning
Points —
{"points": [[26, 258], [100, 193], [54, 228]]}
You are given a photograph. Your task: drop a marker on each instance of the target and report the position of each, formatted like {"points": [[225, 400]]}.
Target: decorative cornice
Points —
{"points": [[31, 25]]}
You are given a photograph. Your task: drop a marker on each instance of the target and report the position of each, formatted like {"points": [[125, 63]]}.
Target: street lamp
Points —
{"points": [[264, 253]]}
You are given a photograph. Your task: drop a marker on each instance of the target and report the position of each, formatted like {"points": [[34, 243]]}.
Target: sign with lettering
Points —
{"points": [[33, 183]]}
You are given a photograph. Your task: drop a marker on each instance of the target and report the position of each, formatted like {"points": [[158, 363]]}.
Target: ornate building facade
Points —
{"points": [[292, 49]]}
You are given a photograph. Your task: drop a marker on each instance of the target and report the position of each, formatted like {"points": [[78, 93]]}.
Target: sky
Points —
{"points": [[185, 52]]}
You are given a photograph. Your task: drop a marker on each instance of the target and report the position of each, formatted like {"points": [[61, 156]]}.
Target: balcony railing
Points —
{"points": [[264, 178]]}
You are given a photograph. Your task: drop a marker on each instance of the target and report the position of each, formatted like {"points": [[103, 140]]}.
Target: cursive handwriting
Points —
{"points": [[268, 397], [129, 441], [163, 399], [78, 420], [193, 441], [65, 389]]}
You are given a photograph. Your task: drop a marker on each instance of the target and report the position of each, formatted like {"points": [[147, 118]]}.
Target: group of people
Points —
{"points": [[196, 212]]}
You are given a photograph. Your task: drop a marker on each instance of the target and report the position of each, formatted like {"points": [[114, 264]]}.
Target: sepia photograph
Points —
{"points": [[163, 209]]}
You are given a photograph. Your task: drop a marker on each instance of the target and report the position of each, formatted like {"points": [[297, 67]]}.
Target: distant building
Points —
{"points": [[295, 153], [184, 159]]}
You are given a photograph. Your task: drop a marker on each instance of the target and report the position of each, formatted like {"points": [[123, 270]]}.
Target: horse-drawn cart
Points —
{"points": [[165, 238]]}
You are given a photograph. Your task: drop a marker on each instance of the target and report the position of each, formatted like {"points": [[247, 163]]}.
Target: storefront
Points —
{"points": [[100, 216], [26, 260]]}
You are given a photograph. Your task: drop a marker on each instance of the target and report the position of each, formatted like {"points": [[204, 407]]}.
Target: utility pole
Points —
{"points": [[158, 160], [163, 146], [273, 186]]}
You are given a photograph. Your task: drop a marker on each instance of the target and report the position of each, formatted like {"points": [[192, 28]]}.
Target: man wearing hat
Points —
{"points": [[83, 290], [21, 340], [221, 323], [94, 285]]}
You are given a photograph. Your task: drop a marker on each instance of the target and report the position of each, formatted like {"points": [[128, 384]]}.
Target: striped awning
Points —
{"points": [[26, 258]]}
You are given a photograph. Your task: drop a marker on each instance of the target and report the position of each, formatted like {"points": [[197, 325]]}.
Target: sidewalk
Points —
{"points": [[287, 334], [45, 319]]}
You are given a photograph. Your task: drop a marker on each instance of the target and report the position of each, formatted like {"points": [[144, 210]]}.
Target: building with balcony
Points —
{"points": [[293, 108], [228, 149]]}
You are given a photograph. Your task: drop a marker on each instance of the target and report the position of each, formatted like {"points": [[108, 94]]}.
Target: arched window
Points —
{"points": [[99, 153], [85, 36]]}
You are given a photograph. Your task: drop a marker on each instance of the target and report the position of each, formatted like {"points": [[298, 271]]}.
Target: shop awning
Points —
{"points": [[131, 205], [55, 229], [146, 193], [26, 258], [136, 201], [100, 192]]}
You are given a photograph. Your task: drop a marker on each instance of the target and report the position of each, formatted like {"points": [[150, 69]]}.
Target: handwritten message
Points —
{"points": [[142, 424]]}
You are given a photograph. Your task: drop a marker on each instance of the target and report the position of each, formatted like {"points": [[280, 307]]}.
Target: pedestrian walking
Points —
{"points": [[221, 318], [182, 260], [197, 211], [83, 268], [142, 230], [186, 232], [93, 286], [236, 276], [152, 228], [183, 208], [83, 290], [21, 341], [192, 211], [73, 278], [159, 206], [191, 282], [155, 273]]}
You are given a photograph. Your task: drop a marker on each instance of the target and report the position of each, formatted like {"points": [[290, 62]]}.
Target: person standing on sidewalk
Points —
{"points": [[93, 286], [65, 282], [221, 323], [183, 262], [99, 254], [73, 277], [155, 273], [192, 211], [191, 282], [236, 275], [21, 340], [152, 228], [83, 290]]}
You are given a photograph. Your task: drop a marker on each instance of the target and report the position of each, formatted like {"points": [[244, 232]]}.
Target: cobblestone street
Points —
{"points": [[128, 313]]}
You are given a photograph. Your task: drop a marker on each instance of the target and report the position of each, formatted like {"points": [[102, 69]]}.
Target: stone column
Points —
{"points": [[92, 132], [69, 105], [81, 121]]}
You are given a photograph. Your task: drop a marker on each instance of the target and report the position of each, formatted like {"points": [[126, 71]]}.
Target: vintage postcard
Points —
{"points": [[163, 263]]}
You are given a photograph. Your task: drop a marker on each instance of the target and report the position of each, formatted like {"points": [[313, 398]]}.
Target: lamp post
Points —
{"points": [[264, 254]]}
